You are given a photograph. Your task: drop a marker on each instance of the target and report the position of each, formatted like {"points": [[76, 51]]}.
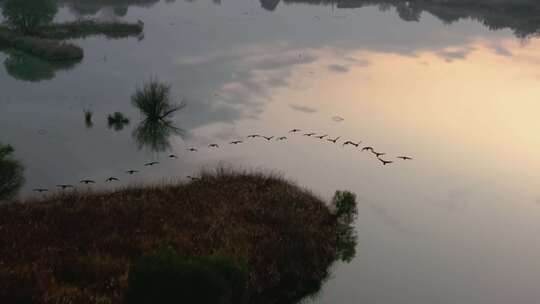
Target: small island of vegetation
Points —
{"points": [[29, 28], [226, 237]]}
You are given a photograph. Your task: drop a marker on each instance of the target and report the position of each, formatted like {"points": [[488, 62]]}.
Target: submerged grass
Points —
{"points": [[80, 247]]}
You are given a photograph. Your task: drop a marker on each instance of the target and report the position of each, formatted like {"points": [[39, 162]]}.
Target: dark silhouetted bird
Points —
{"points": [[213, 146], [64, 187], [87, 181], [385, 162], [151, 164], [334, 140], [282, 138], [268, 137], [253, 136], [367, 149], [377, 154], [40, 190], [294, 130], [352, 143], [236, 142], [112, 179], [321, 137], [131, 172], [405, 157], [173, 156], [310, 134], [192, 149]]}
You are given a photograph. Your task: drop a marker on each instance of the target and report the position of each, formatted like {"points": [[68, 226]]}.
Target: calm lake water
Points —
{"points": [[458, 224]]}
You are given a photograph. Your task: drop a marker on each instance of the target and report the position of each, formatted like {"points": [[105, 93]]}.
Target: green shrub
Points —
{"points": [[166, 277]]}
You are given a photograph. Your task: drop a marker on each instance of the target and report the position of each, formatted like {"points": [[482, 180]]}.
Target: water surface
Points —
{"points": [[454, 86]]}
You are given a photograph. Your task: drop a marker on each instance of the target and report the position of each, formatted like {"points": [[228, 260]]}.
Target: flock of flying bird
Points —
{"points": [[370, 149]]}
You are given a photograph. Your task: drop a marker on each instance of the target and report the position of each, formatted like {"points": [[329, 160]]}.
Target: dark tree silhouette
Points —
{"points": [[11, 173], [28, 15]]}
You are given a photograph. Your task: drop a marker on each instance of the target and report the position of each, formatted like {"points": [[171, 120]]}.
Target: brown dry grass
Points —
{"points": [[78, 248]]}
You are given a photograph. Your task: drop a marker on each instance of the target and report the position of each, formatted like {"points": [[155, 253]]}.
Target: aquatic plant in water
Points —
{"points": [[88, 119], [117, 121], [154, 100], [11, 173], [155, 103]]}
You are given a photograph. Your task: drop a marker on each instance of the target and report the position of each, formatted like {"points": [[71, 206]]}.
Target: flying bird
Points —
{"points": [[131, 172], [213, 146], [377, 154], [268, 137], [334, 140], [40, 190], [193, 178], [192, 149], [294, 130], [173, 156], [282, 138], [348, 142], [253, 136], [405, 157], [112, 179], [385, 162], [367, 149], [87, 181], [236, 142], [321, 137], [151, 164], [310, 134], [64, 187]]}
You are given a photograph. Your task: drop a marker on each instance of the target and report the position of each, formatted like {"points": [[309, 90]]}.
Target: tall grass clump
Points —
{"points": [[154, 100], [166, 277]]}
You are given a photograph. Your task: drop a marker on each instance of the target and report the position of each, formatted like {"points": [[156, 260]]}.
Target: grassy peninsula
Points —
{"points": [[100, 247]]}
